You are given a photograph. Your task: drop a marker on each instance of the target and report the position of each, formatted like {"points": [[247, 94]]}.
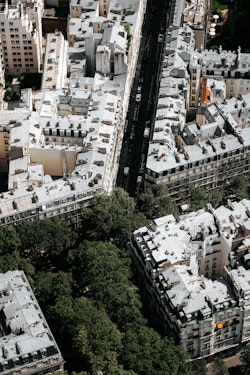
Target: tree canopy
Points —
{"points": [[111, 218], [156, 202], [101, 271]]}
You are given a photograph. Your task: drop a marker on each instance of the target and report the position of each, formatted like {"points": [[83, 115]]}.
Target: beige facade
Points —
{"points": [[55, 62], [4, 148], [21, 35]]}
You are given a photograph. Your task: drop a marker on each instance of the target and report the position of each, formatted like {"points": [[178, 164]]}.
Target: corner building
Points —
{"points": [[196, 275]]}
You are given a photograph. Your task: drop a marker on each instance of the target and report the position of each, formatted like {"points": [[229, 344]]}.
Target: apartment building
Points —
{"points": [[206, 152], [28, 346], [21, 36], [55, 62], [61, 145], [213, 147], [230, 67], [196, 273], [56, 162], [109, 33]]}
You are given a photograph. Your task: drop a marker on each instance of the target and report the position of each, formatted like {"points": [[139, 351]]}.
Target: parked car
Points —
{"points": [[139, 179], [126, 171], [146, 133], [138, 98], [160, 38]]}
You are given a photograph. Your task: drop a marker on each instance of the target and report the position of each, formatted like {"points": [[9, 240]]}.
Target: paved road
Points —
{"points": [[135, 146]]}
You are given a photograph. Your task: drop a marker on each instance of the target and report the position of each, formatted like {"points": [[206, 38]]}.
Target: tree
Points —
{"points": [[196, 197], [146, 352], [9, 240], [236, 188], [215, 197], [13, 261], [156, 202], [218, 367], [61, 285], [43, 288], [111, 218], [49, 237], [197, 367], [87, 335], [101, 269], [245, 359]]}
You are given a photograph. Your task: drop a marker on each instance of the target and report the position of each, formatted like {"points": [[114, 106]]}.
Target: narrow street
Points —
{"points": [[141, 112]]}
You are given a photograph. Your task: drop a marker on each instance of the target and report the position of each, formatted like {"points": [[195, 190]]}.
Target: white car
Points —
{"points": [[139, 179], [138, 98]]}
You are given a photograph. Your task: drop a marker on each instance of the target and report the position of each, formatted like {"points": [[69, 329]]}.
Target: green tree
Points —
{"points": [[156, 202], [86, 334], [215, 197], [218, 367], [13, 261], [49, 236], [195, 196], [101, 269], [197, 367], [146, 352], [43, 288], [119, 370], [9, 240], [111, 218], [245, 359], [61, 285], [236, 188]]}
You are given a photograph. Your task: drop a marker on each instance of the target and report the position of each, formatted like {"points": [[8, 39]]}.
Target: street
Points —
{"points": [[143, 106]]}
